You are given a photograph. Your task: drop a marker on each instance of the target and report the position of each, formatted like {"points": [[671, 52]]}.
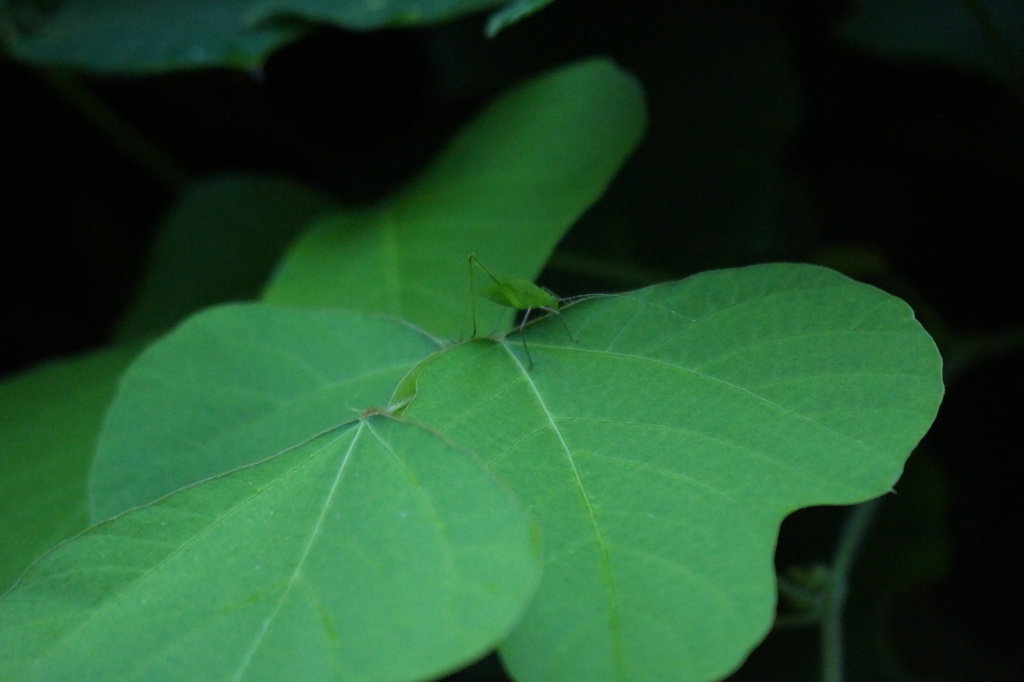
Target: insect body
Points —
{"points": [[518, 294]]}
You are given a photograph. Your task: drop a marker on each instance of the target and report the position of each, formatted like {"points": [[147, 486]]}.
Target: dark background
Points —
{"points": [[771, 138]]}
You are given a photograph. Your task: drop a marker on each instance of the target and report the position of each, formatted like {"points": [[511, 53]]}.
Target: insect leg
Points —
{"points": [[472, 298], [522, 335], [565, 324]]}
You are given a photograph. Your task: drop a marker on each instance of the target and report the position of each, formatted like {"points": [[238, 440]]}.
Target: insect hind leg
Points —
{"points": [[522, 336], [565, 324]]}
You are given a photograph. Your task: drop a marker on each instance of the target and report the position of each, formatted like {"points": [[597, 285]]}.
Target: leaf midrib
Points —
{"points": [[607, 575], [97, 613]]}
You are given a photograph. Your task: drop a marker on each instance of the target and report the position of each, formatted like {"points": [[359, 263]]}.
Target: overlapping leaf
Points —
{"points": [[983, 35], [661, 452], [239, 383], [125, 36], [361, 15], [376, 551], [219, 243], [522, 173], [513, 11], [50, 419]]}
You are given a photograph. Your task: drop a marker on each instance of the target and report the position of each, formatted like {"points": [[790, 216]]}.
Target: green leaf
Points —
{"points": [[983, 35], [508, 188], [240, 383], [661, 452], [142, 36], [361, 15], [219, 243], [50, 419], [377, 551], [512, 12]]}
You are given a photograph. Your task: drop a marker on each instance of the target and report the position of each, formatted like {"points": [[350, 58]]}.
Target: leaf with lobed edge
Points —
{"points": [[661, 452]]}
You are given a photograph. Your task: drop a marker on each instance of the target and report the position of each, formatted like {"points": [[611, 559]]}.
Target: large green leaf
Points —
{"points": [[140, 36], [377, 551], [50, 418], [507, 188], [362, 15], [367, 15], [984, 35], [239, 383], [661, 452], [219, 243], [515, 10]]}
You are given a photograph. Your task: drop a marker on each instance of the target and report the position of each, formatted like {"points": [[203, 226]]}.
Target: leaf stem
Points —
{"points": [[857, 524], [124, 136]]}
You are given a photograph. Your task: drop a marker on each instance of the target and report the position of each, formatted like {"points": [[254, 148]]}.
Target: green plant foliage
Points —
{"points": [[376, 551], [661, 452], [984, 35], [219, 243], [337, 494], [515, 10], [362, 15], [125, 36], [50, 419], [239, 383], [522, 173]]}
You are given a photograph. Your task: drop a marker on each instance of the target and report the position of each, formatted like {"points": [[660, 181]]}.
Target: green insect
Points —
{"points": [[518, 294]]}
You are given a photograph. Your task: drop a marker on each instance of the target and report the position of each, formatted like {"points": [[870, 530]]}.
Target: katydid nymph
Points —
{"points": [[518, 294]]}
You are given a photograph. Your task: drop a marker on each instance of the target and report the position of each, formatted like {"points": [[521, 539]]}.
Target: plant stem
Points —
{"points": [[854, 532], [133, 143]]}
